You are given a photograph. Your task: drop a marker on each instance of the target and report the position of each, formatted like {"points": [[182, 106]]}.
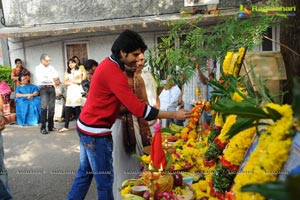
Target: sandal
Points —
{"points": [[63, 130]]}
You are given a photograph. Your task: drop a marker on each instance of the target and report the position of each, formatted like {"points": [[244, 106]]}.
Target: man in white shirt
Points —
{"points": [[169, 98], [189, 96], [45, 75]]}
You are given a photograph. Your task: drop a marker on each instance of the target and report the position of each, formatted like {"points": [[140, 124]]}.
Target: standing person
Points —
{"points": [[151, 87], [169, 98], [109, 89], [4, 188], [17, 71], [59, 100], [45, 75], [72, 80], [189, 96], [81, 67], [150, 84]]}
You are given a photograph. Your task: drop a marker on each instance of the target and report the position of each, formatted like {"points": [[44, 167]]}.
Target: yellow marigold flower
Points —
{"points": [[238, 146], [219, 120], [237, 97], [200, 185], [126, 190], [145, 159], [184, 130], [233, 63], [269, 155], [227, 61], [230, 120], [241, 55], [192, 135], [197, 91]]}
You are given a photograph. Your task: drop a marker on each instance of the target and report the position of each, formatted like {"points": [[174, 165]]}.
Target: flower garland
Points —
{"points": [[215, 149], [222, 139], [272, 150], [227, 61], [238, 146], [233, 156], [233, 61], [189, 132], [202, 187]]}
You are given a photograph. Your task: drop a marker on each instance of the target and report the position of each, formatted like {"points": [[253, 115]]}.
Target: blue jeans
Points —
{"points": [[95, 161], [4, 189]]}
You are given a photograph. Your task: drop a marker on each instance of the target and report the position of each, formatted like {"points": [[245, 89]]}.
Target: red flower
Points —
{"points": [[228, 165], [229, 195], [220, 195], [218, 142], [206, 126], [209, 163]]}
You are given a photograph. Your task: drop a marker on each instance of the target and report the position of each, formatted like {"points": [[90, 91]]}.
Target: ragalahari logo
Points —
{"points": [[284, 11]]}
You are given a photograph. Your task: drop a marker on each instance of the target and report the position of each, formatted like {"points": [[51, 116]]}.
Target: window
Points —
{"points": [[268, 45]]}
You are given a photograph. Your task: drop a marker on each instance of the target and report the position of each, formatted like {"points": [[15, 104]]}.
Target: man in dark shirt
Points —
{"points": [[89, 66]]}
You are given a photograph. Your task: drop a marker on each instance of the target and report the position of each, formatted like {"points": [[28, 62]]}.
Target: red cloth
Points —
{"points": [[158, 156]]}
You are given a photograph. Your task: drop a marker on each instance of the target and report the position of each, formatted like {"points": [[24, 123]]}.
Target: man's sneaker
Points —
{"points": [[43, 131]]}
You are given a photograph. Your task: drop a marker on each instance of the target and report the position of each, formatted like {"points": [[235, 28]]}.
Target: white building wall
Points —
{"points": [[30, 49]]}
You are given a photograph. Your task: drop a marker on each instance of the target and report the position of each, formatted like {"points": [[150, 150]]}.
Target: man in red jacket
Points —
{"points": [[109, 88]]}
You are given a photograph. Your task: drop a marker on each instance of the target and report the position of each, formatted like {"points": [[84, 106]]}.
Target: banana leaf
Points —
{"points": [[270, 190], [273, 114], [169, 160], [245, 109], [240, 125], [167, 130], [280, 190]]}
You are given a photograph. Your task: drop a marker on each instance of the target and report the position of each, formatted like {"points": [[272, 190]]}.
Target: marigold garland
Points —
{"points": [[233, 156], [230, 120], [272, 150], [238, 146]]}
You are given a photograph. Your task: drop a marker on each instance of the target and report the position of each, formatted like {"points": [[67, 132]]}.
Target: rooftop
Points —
{"points": [[139, 24]]}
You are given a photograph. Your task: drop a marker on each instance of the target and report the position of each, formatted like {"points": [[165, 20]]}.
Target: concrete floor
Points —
{"points": [[41, 167]]}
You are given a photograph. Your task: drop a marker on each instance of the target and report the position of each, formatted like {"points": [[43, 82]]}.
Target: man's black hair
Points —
{"points": [[89, 64], [128, 41], [17, 60]]}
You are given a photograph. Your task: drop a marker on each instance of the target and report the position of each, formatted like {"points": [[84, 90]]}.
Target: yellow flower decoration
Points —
{"points": [[269, 155], [230, 120], [227, 61], [238, 146]]}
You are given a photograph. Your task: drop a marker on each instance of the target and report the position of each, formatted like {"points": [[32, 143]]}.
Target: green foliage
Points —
{"points": [[5, 73], [197, 42], [222, 179], [212, 152], [213, 134], [288, 189], [248, 114]]}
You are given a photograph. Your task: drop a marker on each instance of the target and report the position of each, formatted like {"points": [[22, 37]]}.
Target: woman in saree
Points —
{"points": [[28, 103]]}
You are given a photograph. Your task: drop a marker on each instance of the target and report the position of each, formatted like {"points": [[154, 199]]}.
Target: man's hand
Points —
{"points": [[182, 114]]}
